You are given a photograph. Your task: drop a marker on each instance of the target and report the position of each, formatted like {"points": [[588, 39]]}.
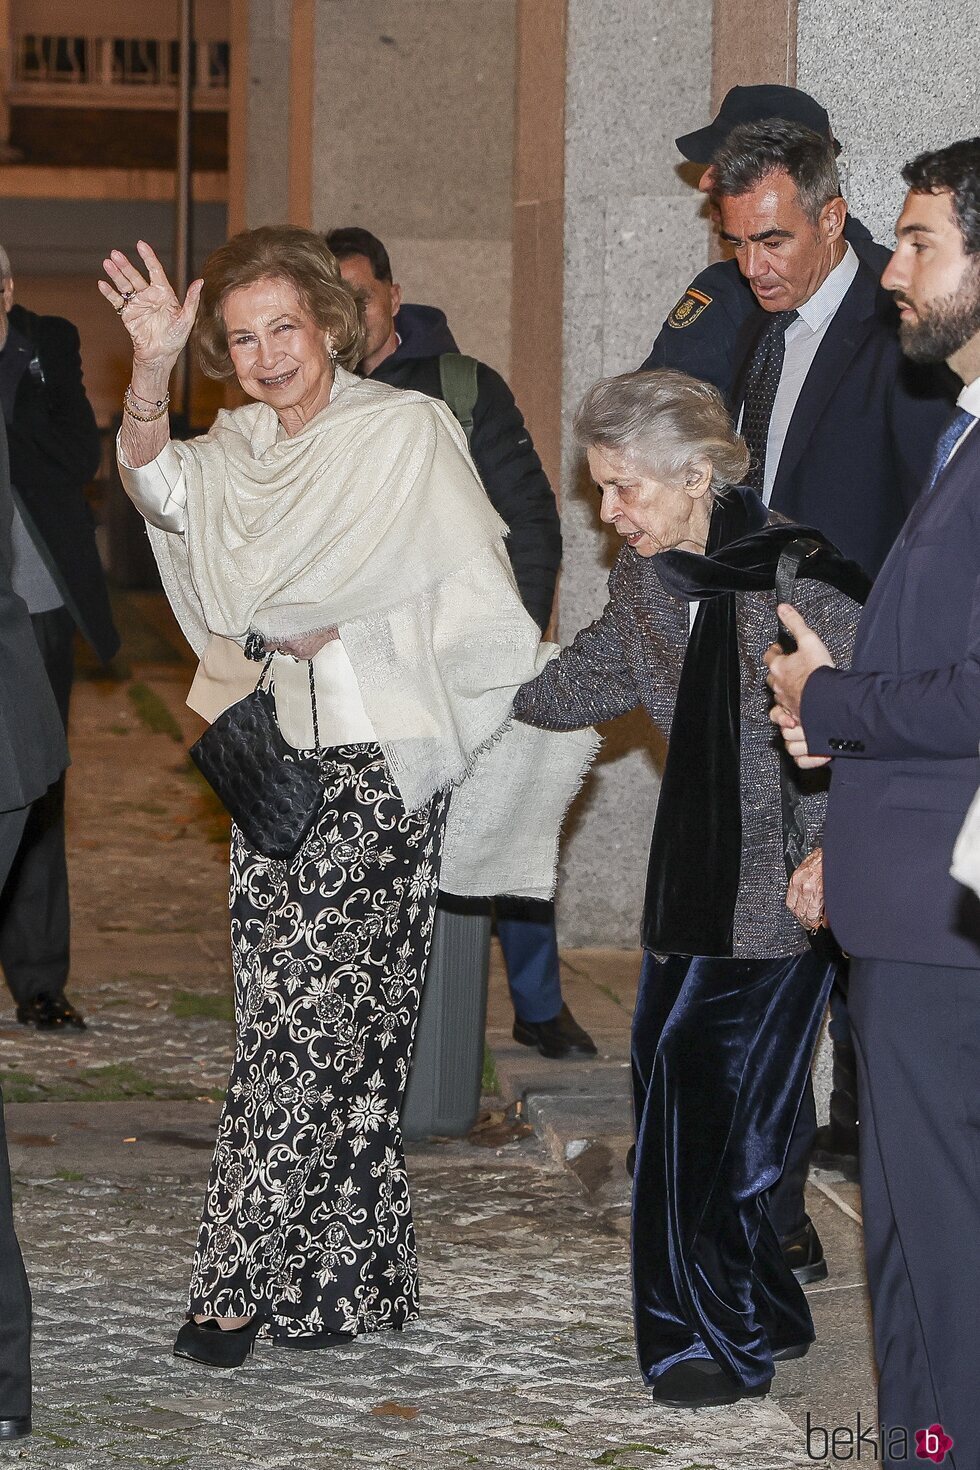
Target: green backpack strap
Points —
{"points": [[457, 379]]}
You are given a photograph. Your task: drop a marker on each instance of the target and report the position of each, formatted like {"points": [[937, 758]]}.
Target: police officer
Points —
{"points": [[698, 336]]}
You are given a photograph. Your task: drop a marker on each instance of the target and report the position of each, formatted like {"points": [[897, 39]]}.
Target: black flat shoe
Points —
{"points": [[787, 1354], [560, 1037], [206, 1342], [50, 1013], [18, 1428], [804, 1255], [698, 1383]]}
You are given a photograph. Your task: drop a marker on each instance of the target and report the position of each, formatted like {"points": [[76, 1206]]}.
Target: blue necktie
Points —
{"points": [[948, 439]]}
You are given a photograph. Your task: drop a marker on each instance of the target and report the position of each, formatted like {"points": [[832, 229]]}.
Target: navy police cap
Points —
{"points": [[749, 105]]}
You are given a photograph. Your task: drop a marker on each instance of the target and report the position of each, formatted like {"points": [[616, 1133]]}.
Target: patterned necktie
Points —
{"points": [[948, 439], [760, 393]]}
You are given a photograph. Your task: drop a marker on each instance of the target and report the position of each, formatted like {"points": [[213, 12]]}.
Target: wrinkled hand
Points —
{"points": [[804, 896], [788, 672], [158, 323], [306, 647], [794, 738]]}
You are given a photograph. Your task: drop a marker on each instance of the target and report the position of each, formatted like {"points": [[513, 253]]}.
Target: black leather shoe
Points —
{"points": [[836, 1148], [50, 1013], [804, 1256], [18, 1428], [794, 1350], [218, 1347], [560, 1037], [699, 1384]]}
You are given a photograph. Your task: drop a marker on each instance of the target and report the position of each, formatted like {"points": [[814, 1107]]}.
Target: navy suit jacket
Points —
{"points": [[904, 724], [863, 432]]}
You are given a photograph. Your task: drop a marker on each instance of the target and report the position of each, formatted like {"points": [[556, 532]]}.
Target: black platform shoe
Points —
{"points": [[18, 1428], [698, 1383], [219, 1347]]}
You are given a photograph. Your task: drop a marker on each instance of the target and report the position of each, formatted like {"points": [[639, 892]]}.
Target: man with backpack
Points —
{"points": [[411, 347]]}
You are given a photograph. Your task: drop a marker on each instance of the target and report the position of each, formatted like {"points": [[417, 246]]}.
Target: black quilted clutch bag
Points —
{"points": [[272, 794]]}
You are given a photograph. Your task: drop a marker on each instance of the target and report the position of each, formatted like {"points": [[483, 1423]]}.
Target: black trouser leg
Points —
{"points": [[34, 909], [786, 1201], [15, 1294], [917, 1032]]}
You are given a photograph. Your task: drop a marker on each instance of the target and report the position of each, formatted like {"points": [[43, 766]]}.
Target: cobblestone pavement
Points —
{"points": [[524, 1354]]}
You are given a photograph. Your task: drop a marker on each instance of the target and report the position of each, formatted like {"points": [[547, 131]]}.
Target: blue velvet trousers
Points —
{"points": [[721, 1053]]}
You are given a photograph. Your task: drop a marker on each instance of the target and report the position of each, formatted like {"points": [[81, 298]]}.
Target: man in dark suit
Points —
{"points": [[840, 425], [33, 755], [700, 332], [903, 727], [54, 451], [841, 431]]}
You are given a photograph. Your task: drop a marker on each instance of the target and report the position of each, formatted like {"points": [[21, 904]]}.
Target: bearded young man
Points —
{"points": [[902, 726]]}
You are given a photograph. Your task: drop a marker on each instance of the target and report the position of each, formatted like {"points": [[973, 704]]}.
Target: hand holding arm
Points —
{"points": [[159, 326], [804, 897]]}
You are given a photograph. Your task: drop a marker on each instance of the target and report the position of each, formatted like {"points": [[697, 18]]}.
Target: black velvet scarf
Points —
{"points": [[695, 856]]}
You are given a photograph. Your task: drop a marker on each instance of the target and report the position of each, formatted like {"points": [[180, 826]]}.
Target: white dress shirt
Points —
{"points": [[803, 337], [969, 400]]}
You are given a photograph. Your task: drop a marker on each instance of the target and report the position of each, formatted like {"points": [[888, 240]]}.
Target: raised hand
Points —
{"points": [[148, 308]]}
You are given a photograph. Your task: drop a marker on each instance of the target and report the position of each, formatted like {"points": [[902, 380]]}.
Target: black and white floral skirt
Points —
{"points": [[307, 1219]]}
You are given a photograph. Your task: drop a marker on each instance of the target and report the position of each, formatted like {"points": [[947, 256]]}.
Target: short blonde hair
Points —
{"points": [[282, 252], [663, 422]]}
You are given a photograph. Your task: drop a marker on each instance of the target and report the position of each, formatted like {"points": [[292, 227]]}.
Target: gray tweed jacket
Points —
{"points": [[633, 656]]}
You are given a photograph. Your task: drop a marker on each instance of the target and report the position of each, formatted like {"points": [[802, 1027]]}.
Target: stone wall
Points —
{"points": [[895, 80], [638, 74], [411, 136]]}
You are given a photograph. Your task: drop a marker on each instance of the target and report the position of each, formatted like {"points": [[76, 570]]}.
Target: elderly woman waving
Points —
{"points": [[338, 525], [731, 992]]}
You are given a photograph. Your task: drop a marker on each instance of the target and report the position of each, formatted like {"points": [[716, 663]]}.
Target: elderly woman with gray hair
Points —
{"points": [[731, 991]]}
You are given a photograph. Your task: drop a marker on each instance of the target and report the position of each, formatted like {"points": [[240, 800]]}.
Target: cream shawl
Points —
{"points": [[373, 519]]}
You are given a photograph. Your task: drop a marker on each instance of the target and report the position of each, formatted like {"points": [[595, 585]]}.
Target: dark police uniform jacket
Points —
{"points": [[700, 334]]}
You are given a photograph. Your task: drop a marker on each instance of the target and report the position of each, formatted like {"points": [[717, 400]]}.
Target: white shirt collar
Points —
{"points": [[825, 301], [970, 398]]}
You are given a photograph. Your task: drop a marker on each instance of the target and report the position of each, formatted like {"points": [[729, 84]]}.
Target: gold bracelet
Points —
{"points": [[151, 402], [129, 406]]}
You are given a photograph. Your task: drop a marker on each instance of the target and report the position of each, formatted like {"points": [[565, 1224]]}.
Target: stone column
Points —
{"points": [[895, 80], [627, 77], [396, 115]]}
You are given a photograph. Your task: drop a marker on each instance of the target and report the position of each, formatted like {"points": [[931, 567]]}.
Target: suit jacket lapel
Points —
{"points": [[850, 328]]}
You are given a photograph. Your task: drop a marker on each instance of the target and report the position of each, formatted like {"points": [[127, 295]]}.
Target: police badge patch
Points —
{"points": [[689, 308]]}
